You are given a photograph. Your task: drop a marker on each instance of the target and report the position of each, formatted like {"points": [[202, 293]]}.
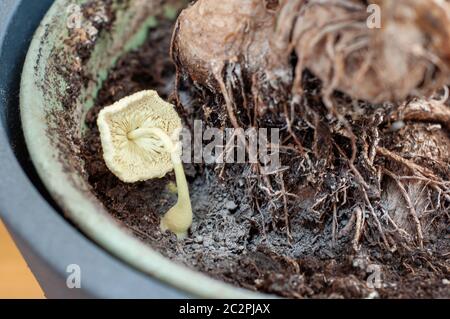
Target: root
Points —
{"points": [[432, 111], [359, 225], [291, 132], [225, 92], [334, 42], [401, 231], [355, 171], [349, 226], [420, 173], [334, 225], [409, 204], [425, 172], [285, 209], [377, 221]]}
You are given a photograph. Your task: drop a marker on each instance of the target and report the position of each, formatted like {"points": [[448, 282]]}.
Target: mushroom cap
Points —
{"points": [[136, 160]]}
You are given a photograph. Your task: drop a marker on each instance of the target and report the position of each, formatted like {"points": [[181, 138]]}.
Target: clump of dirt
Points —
{"points": [[315, 238]]}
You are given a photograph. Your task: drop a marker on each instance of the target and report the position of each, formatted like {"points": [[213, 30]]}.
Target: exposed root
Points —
{"points": [[431, 111], [359, 224], [413, 167], [410, 206], [289, 127], [335, 43], [226, 95], [377, 221], [285, 209]]}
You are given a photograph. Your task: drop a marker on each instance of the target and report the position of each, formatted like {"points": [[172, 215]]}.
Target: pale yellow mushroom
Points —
{"points": [[140, 141]]}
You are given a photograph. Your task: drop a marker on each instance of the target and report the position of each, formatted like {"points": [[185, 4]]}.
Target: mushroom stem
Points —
{"points": [[179, 218]]}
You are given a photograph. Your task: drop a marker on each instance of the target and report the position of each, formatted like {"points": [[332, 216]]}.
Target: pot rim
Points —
{"points": [[85, 211]]}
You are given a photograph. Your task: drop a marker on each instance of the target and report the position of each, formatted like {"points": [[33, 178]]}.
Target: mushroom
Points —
{"points": [[140, 140]]}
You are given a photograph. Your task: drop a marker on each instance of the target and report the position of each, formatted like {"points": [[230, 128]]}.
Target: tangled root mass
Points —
{"points": [[363, 112]]}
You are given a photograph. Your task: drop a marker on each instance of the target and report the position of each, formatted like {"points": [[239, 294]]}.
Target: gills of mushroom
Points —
{"points": [[140, 141], [179, 218]]}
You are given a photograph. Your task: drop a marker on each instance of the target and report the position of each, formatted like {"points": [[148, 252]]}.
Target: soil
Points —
{"points": [[231, 240]]}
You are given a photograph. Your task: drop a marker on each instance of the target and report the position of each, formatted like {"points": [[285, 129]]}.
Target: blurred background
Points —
{"points": [[16, 279]]}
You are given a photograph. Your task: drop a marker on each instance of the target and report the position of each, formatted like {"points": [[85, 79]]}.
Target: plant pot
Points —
{"points": [[47, 89]]}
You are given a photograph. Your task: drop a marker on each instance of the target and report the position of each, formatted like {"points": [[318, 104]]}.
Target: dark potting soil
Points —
{"points": [[229, 239]]}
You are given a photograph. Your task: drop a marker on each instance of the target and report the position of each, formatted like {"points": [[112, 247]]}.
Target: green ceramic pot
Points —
{"points": [[52, 110]]}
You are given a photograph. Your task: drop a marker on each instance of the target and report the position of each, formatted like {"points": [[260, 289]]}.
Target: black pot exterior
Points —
{"points": [[49, 243]]}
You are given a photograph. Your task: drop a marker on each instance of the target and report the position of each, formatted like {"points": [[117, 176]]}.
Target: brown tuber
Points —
{"points": [[211, 33], [408, 55]]}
